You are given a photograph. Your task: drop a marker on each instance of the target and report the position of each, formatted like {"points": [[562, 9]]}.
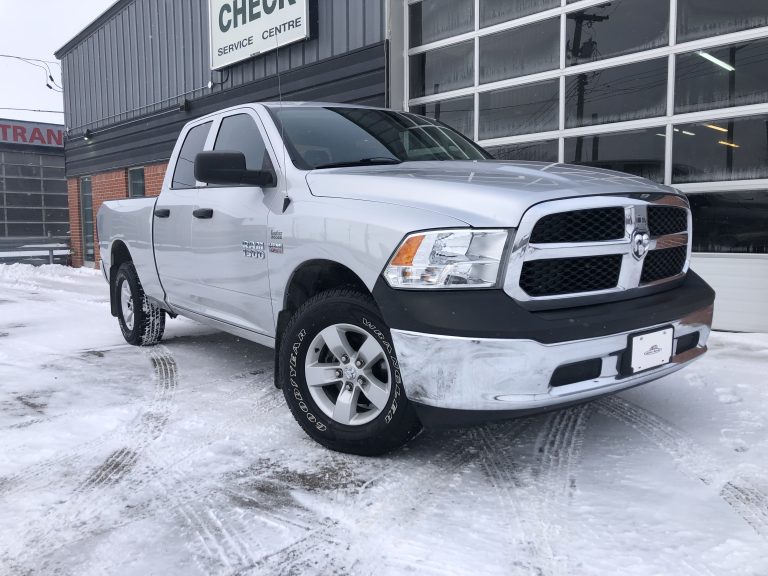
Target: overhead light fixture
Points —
{"points": [[708, 56], [716, 127], [729, 144], [660, 134], [688, 133], [88, 135]]}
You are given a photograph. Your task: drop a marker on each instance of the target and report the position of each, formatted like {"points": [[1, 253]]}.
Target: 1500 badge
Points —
{"points": [[254, 250]]}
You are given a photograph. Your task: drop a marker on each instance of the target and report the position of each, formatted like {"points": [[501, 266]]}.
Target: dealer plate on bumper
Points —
{"points": [[651, 349]]}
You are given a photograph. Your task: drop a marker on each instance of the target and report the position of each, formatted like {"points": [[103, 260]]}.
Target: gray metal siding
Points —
{"points": [[355, 77], [151, 54]]}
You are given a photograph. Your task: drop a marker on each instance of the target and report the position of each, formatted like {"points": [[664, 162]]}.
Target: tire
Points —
{"points": [[362, 408], [141, 325]]}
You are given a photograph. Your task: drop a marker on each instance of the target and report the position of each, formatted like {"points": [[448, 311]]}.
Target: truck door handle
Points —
{"points": [[162, 212], [203, 213]]}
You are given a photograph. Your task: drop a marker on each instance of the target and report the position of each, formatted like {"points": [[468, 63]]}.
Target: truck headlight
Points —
{"points": [[461, 258]]}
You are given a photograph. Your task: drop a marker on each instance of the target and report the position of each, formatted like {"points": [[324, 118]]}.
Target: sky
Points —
{"points": [[37, 30]]}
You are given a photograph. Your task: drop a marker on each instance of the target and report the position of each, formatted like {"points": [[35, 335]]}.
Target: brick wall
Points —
{"points": [[153, 178], [106, 186]]}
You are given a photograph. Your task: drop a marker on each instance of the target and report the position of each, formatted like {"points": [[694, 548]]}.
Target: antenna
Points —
{"points": [[286, 198]]}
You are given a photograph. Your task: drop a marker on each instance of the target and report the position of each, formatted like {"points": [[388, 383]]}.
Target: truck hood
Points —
{"points": [[481, 193]]}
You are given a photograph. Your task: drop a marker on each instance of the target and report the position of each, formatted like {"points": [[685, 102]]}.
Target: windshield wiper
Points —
{"points": [[382, 160]]}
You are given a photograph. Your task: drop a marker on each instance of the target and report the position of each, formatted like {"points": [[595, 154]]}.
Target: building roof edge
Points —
{"points": [[105, 16]]}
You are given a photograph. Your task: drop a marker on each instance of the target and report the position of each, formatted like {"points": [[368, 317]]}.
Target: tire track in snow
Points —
{"points": [[749, 502], [405, 488], [559, 449], [47, 472], [83, 507], [149, 427], [693, 460], [514, 485], [546, 486]]}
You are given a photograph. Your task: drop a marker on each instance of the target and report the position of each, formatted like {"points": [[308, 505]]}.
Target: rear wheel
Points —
{"points": [[141, 321], [340, 376]]}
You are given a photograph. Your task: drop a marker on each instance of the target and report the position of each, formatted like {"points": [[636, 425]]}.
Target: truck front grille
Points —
{"points": [[593, 225], [570, 275], [578, 248], [660, 264], [663, 220]]}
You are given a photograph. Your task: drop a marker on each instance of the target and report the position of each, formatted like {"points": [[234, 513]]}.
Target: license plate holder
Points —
{"points": [[647, 350]]}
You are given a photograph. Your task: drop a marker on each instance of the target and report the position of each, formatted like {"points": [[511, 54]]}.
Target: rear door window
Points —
{"points": [[194, 143]]}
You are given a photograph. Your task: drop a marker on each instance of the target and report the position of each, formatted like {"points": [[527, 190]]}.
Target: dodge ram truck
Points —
{"points": [[402, 276]]}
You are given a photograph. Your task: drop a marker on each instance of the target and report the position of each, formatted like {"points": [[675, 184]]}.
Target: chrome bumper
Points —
{"points": [[499, 374]]}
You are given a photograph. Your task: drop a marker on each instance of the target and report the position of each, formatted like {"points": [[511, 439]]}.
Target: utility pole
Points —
{"points": [[580, 18]]}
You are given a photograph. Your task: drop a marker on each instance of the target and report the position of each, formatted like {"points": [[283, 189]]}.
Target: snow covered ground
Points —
{"points": [[183, 459]]}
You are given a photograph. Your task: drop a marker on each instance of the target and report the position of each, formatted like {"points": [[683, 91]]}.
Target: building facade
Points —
{"points": [[673, 90], [33, 189]]}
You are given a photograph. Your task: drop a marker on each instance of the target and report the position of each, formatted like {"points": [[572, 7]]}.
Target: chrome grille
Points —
{"points": [[573, 248], [663, 220], [594, 225], [661, 264], [570, 275]]}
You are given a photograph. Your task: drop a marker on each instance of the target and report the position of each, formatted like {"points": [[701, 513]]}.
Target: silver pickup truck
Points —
{"points": [[403, 276]]}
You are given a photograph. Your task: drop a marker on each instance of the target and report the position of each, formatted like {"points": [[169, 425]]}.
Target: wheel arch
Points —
{"points": [[307, 280], [119, 254]]}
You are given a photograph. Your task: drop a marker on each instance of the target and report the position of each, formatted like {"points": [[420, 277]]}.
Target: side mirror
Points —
{"points": [[228, 169]]}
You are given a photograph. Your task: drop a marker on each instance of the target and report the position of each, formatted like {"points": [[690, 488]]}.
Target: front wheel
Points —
{"points": [[340, 376], [141, 321]]}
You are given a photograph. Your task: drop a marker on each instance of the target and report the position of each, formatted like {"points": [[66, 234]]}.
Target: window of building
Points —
{"points": [[520, 51], [638, 152], [30, 183], [23, 185], [443, 69], [86, 219], [733, 75], [433, 20], [241, 133], [458, 113], [136, 183], [616, 94], [497, 11], [55, 186], [541, 151], [726, 149], [194, 143], [702, 18], [23, 200], [616, 28], [519, 110], [731, 222]]}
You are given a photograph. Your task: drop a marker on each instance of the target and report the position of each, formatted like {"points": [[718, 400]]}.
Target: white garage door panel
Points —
{"points": [[741, 283]]}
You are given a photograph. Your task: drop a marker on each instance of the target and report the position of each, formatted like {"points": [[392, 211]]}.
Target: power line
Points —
{"points": [[35, 59], [44, 67], [32, 110]]}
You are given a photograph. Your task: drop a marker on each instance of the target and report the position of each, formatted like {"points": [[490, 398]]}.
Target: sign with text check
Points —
{"points": [[241, 29]]}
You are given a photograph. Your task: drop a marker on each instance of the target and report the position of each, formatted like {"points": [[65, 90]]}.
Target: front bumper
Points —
{"points": [[515, 375]]}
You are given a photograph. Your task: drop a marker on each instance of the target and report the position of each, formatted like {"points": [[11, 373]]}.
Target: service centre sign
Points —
{"points": [[241, 29], [31, 134]]}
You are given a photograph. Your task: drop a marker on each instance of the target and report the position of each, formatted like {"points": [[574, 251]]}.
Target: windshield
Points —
{"points": [[327, 137]]}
